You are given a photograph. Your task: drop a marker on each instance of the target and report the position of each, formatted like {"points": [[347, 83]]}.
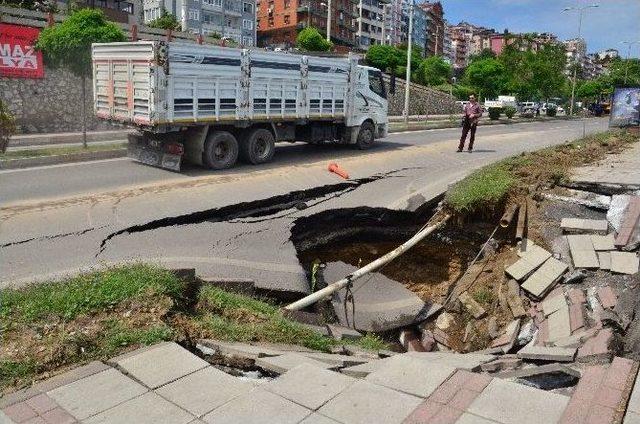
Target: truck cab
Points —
{"points": [[370, 101]]}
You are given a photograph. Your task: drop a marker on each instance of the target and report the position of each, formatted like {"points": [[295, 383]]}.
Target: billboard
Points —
{"points": [[625, 107], [18, 59]]}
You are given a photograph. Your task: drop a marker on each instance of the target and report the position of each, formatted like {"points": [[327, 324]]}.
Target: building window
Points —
{"points": [[287, 19], [287, 4], [194, 15], [247, 24], [247, 7], [247, 41], [216, 3]]}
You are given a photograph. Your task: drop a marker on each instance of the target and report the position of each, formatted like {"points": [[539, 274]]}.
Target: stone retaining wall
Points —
{"points": [[50, 104], [423, 100]]}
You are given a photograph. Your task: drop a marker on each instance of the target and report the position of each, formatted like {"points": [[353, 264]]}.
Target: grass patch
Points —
{"points": [[484, 296], [56, 151], [489, 188]]}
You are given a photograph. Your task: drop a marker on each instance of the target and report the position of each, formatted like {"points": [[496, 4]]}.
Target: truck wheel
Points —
{"points": [[258, 146], [366, 136], [220, 150]]}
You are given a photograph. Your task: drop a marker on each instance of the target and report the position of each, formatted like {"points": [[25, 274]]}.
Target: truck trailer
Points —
{"points": [[211, 105]]}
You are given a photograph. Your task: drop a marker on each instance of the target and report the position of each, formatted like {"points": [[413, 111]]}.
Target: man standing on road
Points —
{"points": [[472, 114]]}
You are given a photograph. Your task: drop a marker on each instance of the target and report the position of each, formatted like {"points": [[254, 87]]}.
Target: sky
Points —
{"points": [[603, 27]]}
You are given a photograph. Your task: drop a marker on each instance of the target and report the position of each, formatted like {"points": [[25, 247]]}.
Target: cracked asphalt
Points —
{"points": [[61, 219]]}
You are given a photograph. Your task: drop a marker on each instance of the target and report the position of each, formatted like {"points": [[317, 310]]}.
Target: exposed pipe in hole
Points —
{"points": [[506, 219]]}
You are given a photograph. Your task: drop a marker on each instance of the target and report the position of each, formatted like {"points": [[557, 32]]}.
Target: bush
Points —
{"points": [[166, 21], [510, 111], [311, 40], [552, 111], [494, 113], [7, 126]]}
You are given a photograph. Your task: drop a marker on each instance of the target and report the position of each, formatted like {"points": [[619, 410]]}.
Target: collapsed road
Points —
{"points": [[98, 217]]}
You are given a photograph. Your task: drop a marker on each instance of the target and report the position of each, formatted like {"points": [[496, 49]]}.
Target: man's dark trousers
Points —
{"points": [[466, 127]]}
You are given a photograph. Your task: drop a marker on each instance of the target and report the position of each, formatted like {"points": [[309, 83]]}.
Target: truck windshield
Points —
{"points": [[376, 84]]}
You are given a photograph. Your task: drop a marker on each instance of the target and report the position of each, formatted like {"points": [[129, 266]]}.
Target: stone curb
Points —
{"points": [[24, 140], [58, 159]]}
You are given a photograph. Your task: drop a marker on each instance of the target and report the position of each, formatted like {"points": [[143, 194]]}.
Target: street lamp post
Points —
{"points": [[328, 20], [626, 67], [575, 67], [408, 75]]}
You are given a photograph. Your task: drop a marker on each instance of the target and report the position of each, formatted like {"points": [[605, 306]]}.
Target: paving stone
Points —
{"points": [[576, 317], [631, 418], [361, 371], [552, 304], [634, 400], [283, 363], [20, 412], [539, 370], [508, 337], [501, 365], [607, 297], [382, 304], [582, 251], [540, 353], [467, 418], [584, 225], [335, 359], [624, 262], [259, 407], [602, 243], [204, 390], [146, 409], [514, 300], [559, 324], [528, 262], [513, 403], [576, 296], [42, 403], [411, 375], [343, 333], [597, 347], [629, 222], [366, 403], [58, 416], [242, 350], [107, 389], [316, 418], [545, 277], [309, 386], [464, 361], [605, 260], [472, 306], [160, 364]]}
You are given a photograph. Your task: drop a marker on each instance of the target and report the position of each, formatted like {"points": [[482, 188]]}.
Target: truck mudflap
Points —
{"points": [[154, 153]]}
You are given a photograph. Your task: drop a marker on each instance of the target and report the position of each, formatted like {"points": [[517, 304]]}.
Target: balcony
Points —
{"points": [[115, 10]]}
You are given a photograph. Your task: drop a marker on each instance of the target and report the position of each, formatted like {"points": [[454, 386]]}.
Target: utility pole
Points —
{"points": [[384, 24], [408, 77], [575, 64], [360, 24], [626, 67], [328, 20]]}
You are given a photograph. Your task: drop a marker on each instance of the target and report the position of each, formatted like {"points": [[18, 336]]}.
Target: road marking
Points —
{"points": [[60, 165]]}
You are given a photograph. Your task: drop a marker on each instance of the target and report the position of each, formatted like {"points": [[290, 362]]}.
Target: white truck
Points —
{"points": [[210, 105]]}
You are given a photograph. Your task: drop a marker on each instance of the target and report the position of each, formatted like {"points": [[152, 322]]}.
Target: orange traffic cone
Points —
{"points": [[335, 168]]}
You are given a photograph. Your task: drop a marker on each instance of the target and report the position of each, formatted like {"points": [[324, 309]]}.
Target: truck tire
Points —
{"points": [[258, 146], [366, 136], [220, 150]]}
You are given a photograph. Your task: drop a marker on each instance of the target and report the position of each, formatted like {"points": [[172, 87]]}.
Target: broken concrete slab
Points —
{"points": [[381, 303], [366, 403], [146, 409], [576, 317], [543, 279], [508, 337], [552, 304], [607, 297], [501, 364], [541, 353], [559, 324], [624, 263], [335, 360], [411, 375], [616, 212], [530, 260], [309, 386], [465, 361], [204, 390], [241, 350], [514, 300], [629, 222], [471, 305], [142, 364], [579, 225], [234, 285], [585, 198], [596, 348], [283, 363], [445, 320], [539, 370], [339, 332], [363, 370], [602, 243], [576, 296], [582, 251], [604, 258]]}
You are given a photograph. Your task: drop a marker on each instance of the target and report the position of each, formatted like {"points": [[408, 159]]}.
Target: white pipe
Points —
{"points": [[321, 294]]}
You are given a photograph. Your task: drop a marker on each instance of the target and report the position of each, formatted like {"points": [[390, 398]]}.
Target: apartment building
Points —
{"points": [[434, 44], [371, 23], [419, 33], [279, 21], [230, 19]]}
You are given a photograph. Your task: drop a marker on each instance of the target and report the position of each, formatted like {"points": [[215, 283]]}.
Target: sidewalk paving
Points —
{"points": [[165, 383]]}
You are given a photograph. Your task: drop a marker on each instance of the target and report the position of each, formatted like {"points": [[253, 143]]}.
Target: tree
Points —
{"points": [[166, 21], [589, 90], [484, 54], [434, 71], [386, 58], [487, 76], [7, 126], [68, 45], [311, 40]]}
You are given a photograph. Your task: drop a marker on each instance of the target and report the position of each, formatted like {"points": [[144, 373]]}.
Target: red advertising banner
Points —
{"points": [[18, 59]]}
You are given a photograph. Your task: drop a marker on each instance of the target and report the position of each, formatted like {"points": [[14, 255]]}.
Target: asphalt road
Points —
{"points": [[59, 219]]}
